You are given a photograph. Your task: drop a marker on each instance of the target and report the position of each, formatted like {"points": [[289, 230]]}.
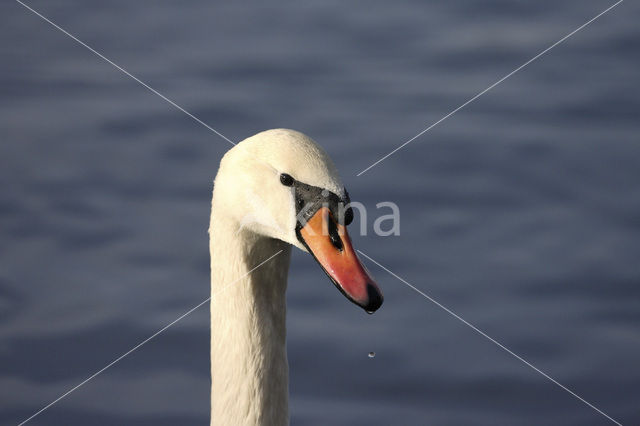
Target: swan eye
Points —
{"points": [[286, 179]]}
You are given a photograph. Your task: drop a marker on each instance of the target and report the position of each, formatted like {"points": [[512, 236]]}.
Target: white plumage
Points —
{"points": [[253, 217]]}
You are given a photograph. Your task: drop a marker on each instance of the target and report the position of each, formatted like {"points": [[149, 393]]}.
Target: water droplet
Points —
{"points": [[372, 354]]}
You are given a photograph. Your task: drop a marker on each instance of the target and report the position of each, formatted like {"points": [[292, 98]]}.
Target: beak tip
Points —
{"points": [[375, 298]]}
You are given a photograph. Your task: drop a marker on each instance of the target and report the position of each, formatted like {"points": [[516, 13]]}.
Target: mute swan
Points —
{"points": [[274, 190]]}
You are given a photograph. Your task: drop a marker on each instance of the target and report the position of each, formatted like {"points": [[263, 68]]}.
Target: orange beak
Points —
{"points": [[330, 245]]}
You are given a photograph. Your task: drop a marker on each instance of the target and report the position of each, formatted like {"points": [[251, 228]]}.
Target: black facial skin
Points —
{"points": [[310, 199], [315, 198]]}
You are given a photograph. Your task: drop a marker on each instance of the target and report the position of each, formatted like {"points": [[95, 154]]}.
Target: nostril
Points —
{"points": [[334, 236]]}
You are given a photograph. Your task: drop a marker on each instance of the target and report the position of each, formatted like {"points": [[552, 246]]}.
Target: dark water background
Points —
{"points": [[521, 212]]}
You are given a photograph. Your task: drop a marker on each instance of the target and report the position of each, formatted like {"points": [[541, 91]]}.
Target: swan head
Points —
{"points": [[280, 184]]}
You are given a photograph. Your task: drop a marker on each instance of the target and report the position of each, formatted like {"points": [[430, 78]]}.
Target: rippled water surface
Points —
{"points": [[521, 212]]}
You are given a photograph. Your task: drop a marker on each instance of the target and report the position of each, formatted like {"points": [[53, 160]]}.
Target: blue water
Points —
{"points": [[521, 212]]}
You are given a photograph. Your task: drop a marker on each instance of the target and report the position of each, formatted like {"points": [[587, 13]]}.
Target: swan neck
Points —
{"points": [[249, 368]]}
